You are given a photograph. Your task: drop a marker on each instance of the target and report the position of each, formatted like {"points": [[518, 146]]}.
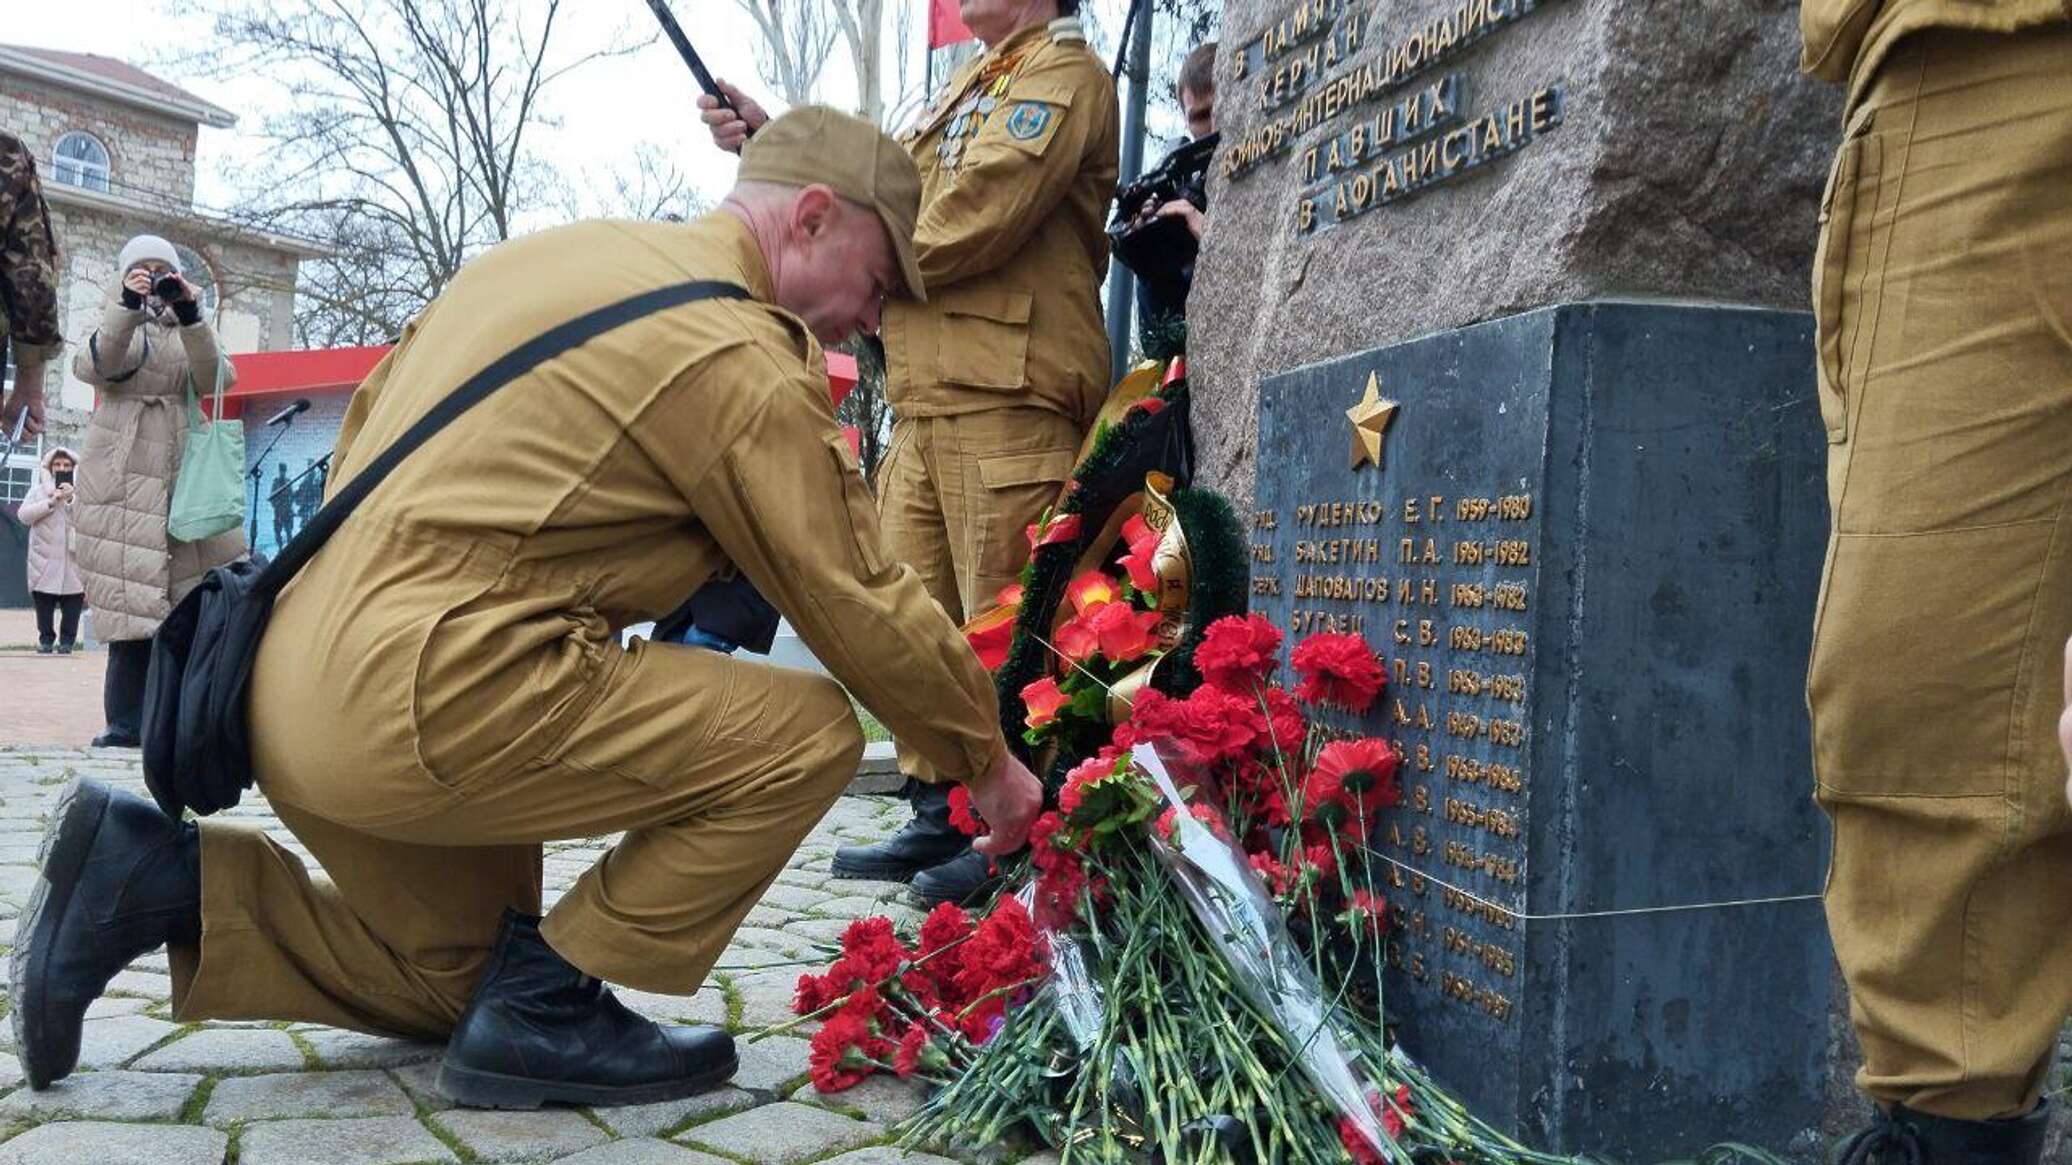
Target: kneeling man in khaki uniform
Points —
{"points": [[443, 689]]}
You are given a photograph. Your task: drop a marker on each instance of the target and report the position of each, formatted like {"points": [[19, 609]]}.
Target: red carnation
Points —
{"points": [[1237, 652], [1395, 1116], [835, 1058], [1287, 729], [811, 995], [962, 815], [1368, 912], [1001, 953], [1323, 799], [1168, 824], [1355, 1143], [871, 950], [1365, 770], [1338, 669], [946, 926], [1278, 878]]}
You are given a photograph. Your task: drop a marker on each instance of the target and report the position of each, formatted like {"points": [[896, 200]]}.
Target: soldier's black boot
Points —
{"points": [[927, 840], [539, 1031], [1905, 1137], [966, 881], [119, 879]]}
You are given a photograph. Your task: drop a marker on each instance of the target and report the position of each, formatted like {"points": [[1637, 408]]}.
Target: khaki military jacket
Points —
{"points": [[467, 615], [1845, 40], [28, 258], [1018, 164]]}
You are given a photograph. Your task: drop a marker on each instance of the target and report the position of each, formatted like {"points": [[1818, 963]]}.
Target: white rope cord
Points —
{"points": [[1498, 906], [1523, 917]]}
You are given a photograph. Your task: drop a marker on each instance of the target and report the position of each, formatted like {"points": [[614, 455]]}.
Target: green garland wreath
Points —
{"points": [[1112, 472]]}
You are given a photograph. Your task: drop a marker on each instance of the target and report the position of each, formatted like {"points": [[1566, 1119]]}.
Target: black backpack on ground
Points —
{"points": [[197, 745]]}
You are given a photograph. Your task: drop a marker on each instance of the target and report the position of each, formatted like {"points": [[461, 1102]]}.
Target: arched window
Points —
{"points": [[199, 273], [81, 161]]}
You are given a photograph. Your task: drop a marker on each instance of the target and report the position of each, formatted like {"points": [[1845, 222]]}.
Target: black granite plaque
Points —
{"points": [[1590, 554]]}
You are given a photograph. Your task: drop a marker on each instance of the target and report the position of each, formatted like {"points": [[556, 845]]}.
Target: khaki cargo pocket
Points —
{"points": [[1847, 211], [984, 339], [856, 501], [1922, 661], [1018, 487]]}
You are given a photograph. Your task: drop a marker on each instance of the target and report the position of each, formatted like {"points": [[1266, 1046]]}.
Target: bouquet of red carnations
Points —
{"points": [[1191, 968]]}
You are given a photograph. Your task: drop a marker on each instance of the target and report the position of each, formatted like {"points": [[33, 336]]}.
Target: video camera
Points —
{"points": [[1162, 250]]}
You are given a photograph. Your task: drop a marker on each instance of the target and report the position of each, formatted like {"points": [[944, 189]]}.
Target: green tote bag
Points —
{"points": [[209, 495]]}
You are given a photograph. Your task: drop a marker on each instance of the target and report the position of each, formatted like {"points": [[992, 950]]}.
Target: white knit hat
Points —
{"points": [[145, 247]]}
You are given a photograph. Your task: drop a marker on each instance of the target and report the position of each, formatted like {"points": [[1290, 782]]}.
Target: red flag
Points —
{"points": [[944, 25]]}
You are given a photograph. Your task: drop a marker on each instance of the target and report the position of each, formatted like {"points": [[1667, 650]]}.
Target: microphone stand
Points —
{"points": [[257, 472]]}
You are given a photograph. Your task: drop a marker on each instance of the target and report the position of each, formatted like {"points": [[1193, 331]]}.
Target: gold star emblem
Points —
{"points": [[1370, 420]]}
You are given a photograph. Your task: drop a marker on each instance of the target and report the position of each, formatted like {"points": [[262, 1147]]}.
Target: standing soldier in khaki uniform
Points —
{"points": [[442, 688], [28, 285], [997, 377], [1943, 292]]}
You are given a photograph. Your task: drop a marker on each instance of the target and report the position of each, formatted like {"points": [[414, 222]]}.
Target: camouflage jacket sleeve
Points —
{"points": [[28, 257]]}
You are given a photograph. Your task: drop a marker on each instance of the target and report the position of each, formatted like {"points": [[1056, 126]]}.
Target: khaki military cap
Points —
{"points": [[817, 145]]}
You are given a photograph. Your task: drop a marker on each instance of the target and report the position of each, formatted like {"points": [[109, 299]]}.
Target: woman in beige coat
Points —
{"points": [[151, 340], [53, 578]]}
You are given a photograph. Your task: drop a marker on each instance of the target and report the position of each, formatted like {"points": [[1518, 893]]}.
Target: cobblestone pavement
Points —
{"points": [[155, 1092]]}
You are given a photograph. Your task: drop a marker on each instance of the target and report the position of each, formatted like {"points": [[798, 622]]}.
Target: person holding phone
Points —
{"points": [[152, 339], [54, 581]]}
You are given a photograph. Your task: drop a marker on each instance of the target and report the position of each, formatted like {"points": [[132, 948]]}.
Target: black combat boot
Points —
{"points": [[967, 881], [539, 1031], [119, 880], [1906, 1137], [926, 841]]}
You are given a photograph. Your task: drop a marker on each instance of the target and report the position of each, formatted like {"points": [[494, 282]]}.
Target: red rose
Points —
{"points": [[1142, 543], [990, 636], [1150, 406], [1077, 640], [1043, 699], [1122, 632], [1338, 669], [1090, 589], [1237, 652], [1053, 531]]}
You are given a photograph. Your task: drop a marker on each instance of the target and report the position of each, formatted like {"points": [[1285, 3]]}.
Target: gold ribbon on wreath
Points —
{"points": [[1172, 563]]}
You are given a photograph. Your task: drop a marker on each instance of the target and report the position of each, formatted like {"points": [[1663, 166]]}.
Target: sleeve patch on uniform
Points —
{"points": [[1028, 120]]}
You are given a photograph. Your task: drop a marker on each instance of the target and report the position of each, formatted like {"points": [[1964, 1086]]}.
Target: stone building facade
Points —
{"points": [[116, 150]]}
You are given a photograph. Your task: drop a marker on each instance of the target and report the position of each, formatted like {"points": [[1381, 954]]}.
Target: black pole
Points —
{"points": [[258, 469], [1122, 285]]}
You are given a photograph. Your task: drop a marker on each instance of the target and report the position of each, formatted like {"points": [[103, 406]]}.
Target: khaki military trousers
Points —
{"points": [[715, 767], [1943, 292], [956, 496]]}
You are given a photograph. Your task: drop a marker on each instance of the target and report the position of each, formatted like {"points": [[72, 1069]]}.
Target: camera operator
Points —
{"points": [[152, 338], [1174, 191]]}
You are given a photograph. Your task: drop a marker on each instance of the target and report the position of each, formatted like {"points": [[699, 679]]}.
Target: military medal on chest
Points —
{"points": [[968, 114]]}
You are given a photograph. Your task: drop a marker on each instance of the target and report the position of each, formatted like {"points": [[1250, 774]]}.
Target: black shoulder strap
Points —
{"points": [[508, 367]]}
